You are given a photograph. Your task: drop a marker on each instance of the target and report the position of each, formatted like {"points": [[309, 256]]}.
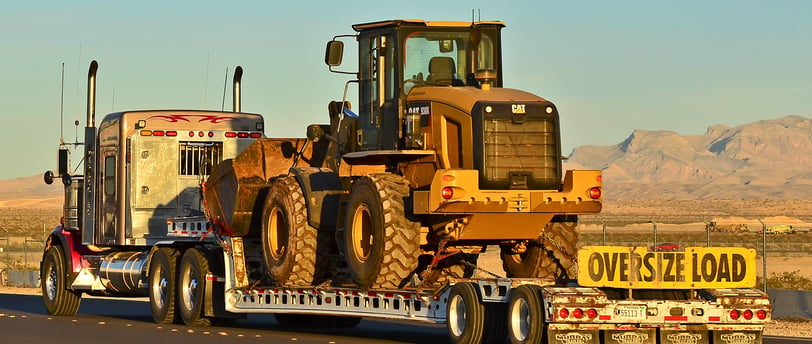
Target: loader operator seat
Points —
{"points": [[441, 72], [342, 134]]}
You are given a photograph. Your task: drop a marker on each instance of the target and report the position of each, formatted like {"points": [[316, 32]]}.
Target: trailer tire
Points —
{"points": [[552, 255], [191, 283], [525, 315], [466, 314], [288, 240], [58, 299], [381, 243], [162, 281]]}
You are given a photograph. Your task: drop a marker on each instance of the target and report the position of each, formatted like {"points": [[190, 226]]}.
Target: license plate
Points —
{"points": [[631, 312]]}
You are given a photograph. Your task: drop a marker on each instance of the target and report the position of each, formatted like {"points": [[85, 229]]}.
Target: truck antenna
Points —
{"points": [[62, 107], [225, 84]]}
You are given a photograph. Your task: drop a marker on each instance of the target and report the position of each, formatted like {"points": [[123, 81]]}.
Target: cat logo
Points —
{"points": [[517, 108]]}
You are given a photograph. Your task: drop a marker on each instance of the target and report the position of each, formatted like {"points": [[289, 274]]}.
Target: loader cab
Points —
{"points": [[398, 57]]}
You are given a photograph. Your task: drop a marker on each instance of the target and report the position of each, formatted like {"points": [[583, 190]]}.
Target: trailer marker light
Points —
{"points": [[734, 314], [563, 313], [578, 313], [447, 192], [761, 314], [747, 314], [592, 313], [595, 192], [231, 134]]}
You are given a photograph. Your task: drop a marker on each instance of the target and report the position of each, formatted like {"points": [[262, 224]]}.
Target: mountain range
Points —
{"points": [[768, 159]]}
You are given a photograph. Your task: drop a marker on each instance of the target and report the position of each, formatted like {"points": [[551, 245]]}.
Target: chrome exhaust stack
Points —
{"points": [[91, 94], [236, 88], [88, 203]]}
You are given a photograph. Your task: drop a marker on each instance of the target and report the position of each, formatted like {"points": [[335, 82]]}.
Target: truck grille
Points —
{"points": [[199, 158], [519, 154]]}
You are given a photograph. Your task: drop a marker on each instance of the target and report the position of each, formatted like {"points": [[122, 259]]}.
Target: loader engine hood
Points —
{"points": [[513, 135]]}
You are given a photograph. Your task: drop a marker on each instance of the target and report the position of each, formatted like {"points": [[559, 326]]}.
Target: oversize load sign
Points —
{"points": [[696, 267]]}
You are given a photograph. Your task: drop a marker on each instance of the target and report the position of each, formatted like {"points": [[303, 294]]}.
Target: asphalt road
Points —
{"points": [[120, 321], [23, 319]]}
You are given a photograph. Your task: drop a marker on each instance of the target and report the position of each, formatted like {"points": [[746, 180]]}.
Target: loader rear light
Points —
{"points": [[595, 193], [563, 313], [747, 314], [761, 314], [591, 313], [734, 314], [447, 192]]}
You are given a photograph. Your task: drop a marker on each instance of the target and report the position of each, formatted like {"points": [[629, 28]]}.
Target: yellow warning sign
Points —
{"points": [[696, 267]]}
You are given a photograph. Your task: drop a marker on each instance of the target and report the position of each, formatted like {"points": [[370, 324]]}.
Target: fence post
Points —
{"points": [[764, 255]]}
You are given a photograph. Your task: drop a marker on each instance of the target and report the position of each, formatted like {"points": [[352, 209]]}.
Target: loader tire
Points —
{"points": [[288, 240], [381, 243], [552, 255], [58, 299]]}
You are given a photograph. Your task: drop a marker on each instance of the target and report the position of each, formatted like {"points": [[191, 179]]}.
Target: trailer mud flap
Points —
{"points": [[564, 336], [684, 337], [631, 336], [737, 337]]}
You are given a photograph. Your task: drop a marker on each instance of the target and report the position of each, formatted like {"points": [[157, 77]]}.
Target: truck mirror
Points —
{"points": [[334, 54], [62, 161], [48, 177]]}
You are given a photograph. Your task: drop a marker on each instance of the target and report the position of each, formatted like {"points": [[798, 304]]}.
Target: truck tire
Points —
{"points": [[162, 279], [58, 299], [288, 241], [466, 314], [381, 243], [191, 283], [525, 315], [552, 255]]}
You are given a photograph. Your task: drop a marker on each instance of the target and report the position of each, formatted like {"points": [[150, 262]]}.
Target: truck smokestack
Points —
{"points": [[236, 88], [91, 94]]}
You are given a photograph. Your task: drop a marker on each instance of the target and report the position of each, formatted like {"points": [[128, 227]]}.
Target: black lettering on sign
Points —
{"points": [[595, 266], [647, 263], [611, 268], [680, 271], [668, 273], [636, 264], [724, 268], [739, 267], [624, 267], [708, 267]]}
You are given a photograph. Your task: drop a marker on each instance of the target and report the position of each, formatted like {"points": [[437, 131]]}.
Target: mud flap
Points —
{"points": [[687, 336], [637, 336], [731, 337], [565, 336]]}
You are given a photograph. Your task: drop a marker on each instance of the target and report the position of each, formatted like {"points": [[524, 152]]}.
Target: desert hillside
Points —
{"points": [[769, 159]]}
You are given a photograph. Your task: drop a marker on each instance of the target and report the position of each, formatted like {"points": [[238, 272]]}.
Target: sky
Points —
{"points": [[610, 66]]}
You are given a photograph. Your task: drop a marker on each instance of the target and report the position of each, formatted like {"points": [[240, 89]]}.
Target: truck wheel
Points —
{"points": [[58, 299], [191, 281], [162, 285], [552, 255], [288, 241], [381, 244], [466, 315], [525, 315]]}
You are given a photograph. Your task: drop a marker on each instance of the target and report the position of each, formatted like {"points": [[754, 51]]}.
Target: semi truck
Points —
{"points": [[378, 214]]}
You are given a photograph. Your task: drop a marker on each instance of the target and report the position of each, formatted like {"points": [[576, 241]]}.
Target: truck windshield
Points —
{"points": [[447, 58]]}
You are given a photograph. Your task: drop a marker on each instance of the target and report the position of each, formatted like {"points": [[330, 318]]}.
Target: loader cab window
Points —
{"points": [[438, 58], [377, 85]]}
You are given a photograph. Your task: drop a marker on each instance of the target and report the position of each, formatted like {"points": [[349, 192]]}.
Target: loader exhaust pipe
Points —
{"points": [[236, 88], [91, 94]]}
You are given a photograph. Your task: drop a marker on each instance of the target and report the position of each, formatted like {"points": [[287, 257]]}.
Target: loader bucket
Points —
{"points": [[235, 191]]}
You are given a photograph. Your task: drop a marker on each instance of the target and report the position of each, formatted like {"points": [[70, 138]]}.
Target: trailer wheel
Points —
{"points": [[288, 241], [552, 255], [381, 244], [162, 285], [191, 281], [466, 315], [58, 299], [525, 315]]}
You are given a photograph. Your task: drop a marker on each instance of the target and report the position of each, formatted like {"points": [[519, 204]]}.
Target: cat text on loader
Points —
{"points": [[437, 162]]}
